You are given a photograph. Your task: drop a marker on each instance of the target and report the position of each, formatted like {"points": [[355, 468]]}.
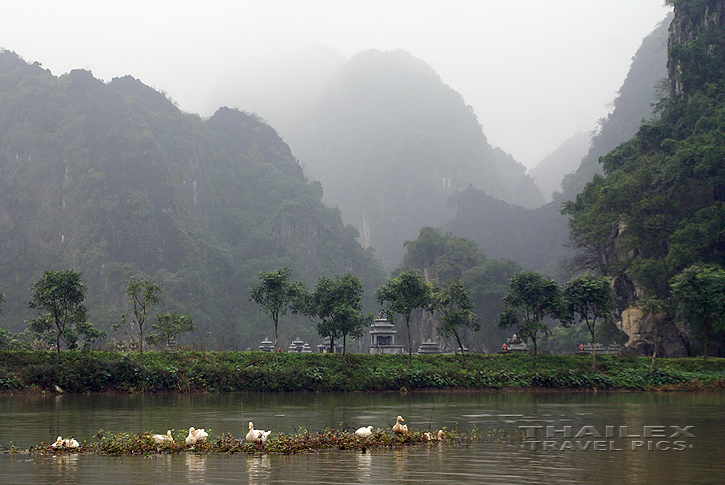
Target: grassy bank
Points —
{"points": [[185, 371]]}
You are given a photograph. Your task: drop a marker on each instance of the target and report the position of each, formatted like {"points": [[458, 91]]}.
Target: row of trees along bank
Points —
{"points": [[335, 304], [63, 319]]}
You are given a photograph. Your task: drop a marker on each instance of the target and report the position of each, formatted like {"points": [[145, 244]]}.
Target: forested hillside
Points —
{"points": [[113, 180], [391, 143], [659, 207]]}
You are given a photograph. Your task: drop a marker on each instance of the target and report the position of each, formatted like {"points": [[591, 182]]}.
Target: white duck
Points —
{"points": [[196, 435], [163, 438], [67, 443], [400, 429], [256, 435], [364, 432]]}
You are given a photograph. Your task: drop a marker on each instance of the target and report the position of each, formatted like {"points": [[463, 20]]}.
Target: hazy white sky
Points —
{"points": [[535, 71]]}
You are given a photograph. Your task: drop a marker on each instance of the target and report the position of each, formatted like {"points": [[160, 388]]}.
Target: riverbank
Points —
{"points": [[192, 371]]}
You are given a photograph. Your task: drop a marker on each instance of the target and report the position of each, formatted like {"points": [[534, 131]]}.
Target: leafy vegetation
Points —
{"points": [[58, 296], [587, 298], [700, 293], [276, 293], [402, 295], [454, 304], [530, 299], [143, 294], [302, 441], [192, 371], [442, 257], [337, 305], [659, 207], [167, 327]]}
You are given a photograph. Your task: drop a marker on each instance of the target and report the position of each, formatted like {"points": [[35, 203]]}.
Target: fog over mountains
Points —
{"points": [[391, 142], [349, 160]]}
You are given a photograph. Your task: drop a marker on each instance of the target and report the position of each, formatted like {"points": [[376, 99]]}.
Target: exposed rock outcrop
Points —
{"points": [[671, 339], [690, 19]]}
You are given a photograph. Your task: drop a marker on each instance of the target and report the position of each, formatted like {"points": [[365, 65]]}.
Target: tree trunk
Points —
{"points": [[654, 352], [535, 352], [140, 344], [410, 346], [275, 340], [57, 348], [704, 353], [460, 346], [59, 332], [594, 351]]}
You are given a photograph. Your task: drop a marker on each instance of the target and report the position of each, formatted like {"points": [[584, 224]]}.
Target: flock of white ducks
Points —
{"points": [[256, 436]]}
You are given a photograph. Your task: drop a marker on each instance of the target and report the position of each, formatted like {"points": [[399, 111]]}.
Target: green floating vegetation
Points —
{"points": [[187, 371], [300, 442]]}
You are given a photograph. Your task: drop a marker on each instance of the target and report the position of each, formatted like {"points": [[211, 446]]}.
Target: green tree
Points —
{"points": [[587, 298], [442, 256], [276, 293], [168, 326], [337, 303], [403, 294], [143, 294], [7, 340], [530, 299], [699, 292], [58, 296], [455, 305]]}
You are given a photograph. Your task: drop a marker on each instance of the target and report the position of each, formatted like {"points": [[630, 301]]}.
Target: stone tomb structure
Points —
{"points": [[382, 338]]}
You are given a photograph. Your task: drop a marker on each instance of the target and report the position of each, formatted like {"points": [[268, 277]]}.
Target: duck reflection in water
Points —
{"points": [[195, 468], [364, 467], [66, 466], [258, 467]]}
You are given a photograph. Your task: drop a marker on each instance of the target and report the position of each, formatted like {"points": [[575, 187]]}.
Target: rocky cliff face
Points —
{"points": [[671, 341], [691, 19], [691, 28]]}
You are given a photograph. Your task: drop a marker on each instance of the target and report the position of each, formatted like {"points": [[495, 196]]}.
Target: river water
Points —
{"points": [[594, 437]]}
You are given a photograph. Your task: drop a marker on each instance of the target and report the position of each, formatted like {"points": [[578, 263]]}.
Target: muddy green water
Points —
{"points": [[622, 438]]}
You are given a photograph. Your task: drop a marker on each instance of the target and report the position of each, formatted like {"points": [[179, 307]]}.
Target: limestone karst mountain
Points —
{"points": [[113, 180], [391, 143]]}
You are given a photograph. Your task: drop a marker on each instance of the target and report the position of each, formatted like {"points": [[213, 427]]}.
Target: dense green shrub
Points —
{"points": [[85, 371]]}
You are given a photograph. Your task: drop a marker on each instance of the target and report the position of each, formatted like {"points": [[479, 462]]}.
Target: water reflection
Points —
{"points": [[258, 468], [195, 467], [364, 467], [163, 465], [65, 467], [32, 419]]}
